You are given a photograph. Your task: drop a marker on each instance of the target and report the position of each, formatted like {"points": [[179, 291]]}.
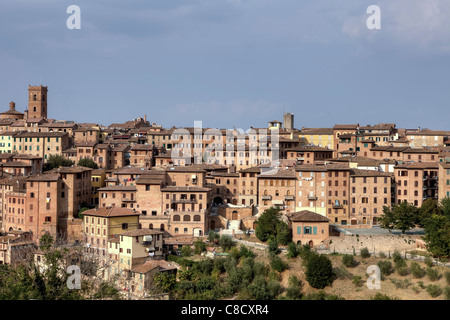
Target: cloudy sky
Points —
{"points": [[231, 63]]}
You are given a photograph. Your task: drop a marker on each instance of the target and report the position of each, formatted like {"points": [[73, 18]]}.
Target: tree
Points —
{"points": [[437, 235], [199, 246], [273, 246], [213, 236], [429, 207], [292, 250], [186, 251], [294, 290], [387, 220], [267, 224], [226, 242], [87, 162], [284, 235], [319, 271], [56, 161], [403, 217]]}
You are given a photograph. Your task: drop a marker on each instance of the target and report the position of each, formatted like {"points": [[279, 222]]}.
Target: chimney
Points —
{"points": [[12, 106]]}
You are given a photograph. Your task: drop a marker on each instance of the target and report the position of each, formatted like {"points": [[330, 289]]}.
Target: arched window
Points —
{"points": [[277, 193], [150, 226], [288, 193], [176, 217], [186, 218], [265, 192], [197, 218], [161, 227]]}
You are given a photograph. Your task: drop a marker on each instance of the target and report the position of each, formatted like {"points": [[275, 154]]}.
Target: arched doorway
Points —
{"points": [[218, 200], [311, 244], [234, 215], [375, 221], [299, 242], [213, 225], [364, 221], [234, 201]]}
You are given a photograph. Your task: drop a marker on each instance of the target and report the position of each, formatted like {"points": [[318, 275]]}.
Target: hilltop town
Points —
{"points": [[132, 193]]}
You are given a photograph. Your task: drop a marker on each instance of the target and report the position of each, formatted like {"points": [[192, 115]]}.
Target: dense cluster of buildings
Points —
{"points": [[156, 189]]}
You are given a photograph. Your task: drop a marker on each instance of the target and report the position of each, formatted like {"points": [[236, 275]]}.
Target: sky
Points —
{"points": [[230, 63]]}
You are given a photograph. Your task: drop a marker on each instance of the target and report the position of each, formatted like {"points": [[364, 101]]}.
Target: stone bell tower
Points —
{"points": [[37, 102]]}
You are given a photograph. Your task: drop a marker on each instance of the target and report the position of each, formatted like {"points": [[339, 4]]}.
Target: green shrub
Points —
{"points": [[294, 290], [447, 277], [432, 274], [385, 267], [429, 262], [278, 264], [342, 273], [365, 253], [258, 289], [292, 250], [434, 290], [245, 252], [199, 246], [186, 251], [259, 268], [273, 288], [226, 242], [321, 295], [401, 284], [397, 256], [319, 271], [447, 293], [235, 253], [356, 280], [380, 296], [273, 246], [382, 255], [403, 271], [416, 270], [348, 260]]}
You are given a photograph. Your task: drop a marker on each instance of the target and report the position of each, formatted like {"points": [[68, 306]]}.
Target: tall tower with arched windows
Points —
{"points": [[37, 102]]}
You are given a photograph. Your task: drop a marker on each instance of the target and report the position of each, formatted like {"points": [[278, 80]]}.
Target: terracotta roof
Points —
{"points": [[141, 232], [418, 165], [152, 264], [309, 149], [317, 131], [306, 216], [44, 177], [369, 173], [278, 174], [110, 212], [118, 188], [185, 189]]}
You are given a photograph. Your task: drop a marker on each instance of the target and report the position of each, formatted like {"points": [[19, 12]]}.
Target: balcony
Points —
{"points": [[338, 206], [266, 198], [312, 197], [288, 198]]}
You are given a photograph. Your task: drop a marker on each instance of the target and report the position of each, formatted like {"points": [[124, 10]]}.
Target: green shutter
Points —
{"points": [[304, 230], [299, 230], [314, 230]]}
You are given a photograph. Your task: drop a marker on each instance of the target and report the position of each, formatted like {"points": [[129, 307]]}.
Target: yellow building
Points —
{"points": [[321, 137], [6, 142], [98, 180], [101, 224], [42, 144]]}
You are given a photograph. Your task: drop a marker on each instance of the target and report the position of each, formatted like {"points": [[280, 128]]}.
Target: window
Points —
{"points": [[124, 226]]}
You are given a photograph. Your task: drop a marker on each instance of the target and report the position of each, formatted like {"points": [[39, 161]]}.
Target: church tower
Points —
{"points": [[37, 102]]}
